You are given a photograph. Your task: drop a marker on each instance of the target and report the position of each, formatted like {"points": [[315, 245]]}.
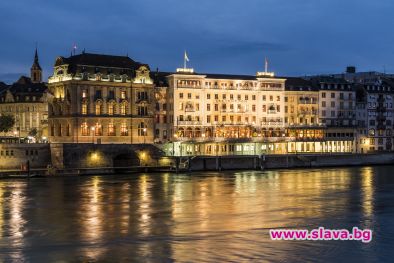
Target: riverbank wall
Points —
{"points": [[218, 163]]}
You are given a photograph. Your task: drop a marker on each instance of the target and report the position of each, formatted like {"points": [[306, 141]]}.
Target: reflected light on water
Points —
{"points": [[92, 218], [367, 191], [207, 217]]}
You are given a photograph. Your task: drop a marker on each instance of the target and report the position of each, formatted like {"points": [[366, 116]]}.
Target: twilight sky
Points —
{"points": [[299, 37]]}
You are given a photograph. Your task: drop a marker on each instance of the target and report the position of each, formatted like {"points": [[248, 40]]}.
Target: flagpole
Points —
{"points": [[184, 61]]}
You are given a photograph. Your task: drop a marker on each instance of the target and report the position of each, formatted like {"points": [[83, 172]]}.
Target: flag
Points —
{"points": [[186, 57], [266, 64]]}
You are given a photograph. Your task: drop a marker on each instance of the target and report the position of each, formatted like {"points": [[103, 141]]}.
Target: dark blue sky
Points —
{"points": [[299, 37]]}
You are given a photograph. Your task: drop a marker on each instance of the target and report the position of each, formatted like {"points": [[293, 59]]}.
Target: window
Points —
{"points": [[123, 129], [123, 109], [181, 95], [143, 95], [84, 129], [123, 94], [98, 108], [142, 110], [111, 94], [98, 130], [111, 129], [208, 107], [332, 95], [84, 93], [142, 129], [208, 96], [323, 95], [84, 108]]}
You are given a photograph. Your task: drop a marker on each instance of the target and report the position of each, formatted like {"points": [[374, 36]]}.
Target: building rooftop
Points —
{"points": [[98, 63], [23, 90]]}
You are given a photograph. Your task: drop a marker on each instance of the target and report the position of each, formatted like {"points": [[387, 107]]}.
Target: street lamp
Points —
{"points": [[144, 135], [93, 131]]}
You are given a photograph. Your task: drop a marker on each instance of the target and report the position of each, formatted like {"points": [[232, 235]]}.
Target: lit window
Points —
{"points": [[123, 109], [84, 109], [84, 94], [142, 129], [123, 129], [98, 131], [123, 94], [98, 108], [111, 109], [84, 129], [111, 129]]}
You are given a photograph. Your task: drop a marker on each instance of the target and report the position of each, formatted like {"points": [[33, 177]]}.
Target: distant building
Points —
{"points": [[26, 101], [101, 99], [375, 116]]}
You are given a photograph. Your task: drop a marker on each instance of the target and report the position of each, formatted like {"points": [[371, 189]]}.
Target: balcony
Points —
{"points": [[306, 125], [189, 122], [272, 123]]}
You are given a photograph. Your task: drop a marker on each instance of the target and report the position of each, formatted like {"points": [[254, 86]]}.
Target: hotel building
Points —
{"points": [[100, 99], [217, 114]]}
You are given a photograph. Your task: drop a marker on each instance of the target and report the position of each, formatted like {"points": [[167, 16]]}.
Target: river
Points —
{"points": [[199, 217]]}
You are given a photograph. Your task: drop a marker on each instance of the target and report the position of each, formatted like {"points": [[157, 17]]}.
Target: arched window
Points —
{"points": [[123, 108], [181, 132], [189, 132], [142, 129], [98, 108], [111, 108]]}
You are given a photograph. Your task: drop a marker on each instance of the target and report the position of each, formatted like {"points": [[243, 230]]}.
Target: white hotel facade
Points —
{"points": [[215, 114]]}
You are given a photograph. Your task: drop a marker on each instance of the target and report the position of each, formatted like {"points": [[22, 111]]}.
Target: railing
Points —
{"points": [[189, 122], [271, 123]]}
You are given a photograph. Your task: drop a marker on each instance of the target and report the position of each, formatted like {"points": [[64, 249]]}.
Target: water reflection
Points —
{"points": [[200, 217]]}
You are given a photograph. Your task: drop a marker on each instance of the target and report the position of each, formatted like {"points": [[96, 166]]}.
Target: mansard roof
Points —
{"points": [[299, 84], [99, 63]]}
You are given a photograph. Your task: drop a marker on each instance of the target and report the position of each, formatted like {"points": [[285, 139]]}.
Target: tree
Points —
{"points": [[6, 123]]}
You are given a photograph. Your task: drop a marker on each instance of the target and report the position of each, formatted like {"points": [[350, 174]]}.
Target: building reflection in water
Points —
{"points": [[204, 217], [91, 218], [367, 193]]}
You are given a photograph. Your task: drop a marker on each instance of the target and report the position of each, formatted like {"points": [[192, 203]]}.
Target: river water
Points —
{"points": [[199, 217]]}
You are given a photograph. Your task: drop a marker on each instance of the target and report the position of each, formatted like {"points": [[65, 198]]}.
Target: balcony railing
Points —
{"points": [[189, 122]]}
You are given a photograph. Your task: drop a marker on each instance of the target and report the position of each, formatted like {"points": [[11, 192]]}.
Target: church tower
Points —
{"points": [[36, 71]]}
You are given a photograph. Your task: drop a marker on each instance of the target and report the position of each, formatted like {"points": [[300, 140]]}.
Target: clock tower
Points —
{"points": [[36, 71]]}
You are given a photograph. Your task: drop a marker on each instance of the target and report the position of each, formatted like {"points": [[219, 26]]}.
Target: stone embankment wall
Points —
{"points": [[104, 155], [201, 163], [13, 156]]}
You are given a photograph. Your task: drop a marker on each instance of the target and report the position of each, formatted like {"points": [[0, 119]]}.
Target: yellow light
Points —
{"points": [[94, 156]]}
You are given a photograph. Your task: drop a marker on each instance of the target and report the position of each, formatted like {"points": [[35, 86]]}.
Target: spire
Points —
{"points": [[36, 71]]}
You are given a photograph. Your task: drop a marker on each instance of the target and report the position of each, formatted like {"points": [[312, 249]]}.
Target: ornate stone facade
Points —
{"points": [[100, 99]]}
